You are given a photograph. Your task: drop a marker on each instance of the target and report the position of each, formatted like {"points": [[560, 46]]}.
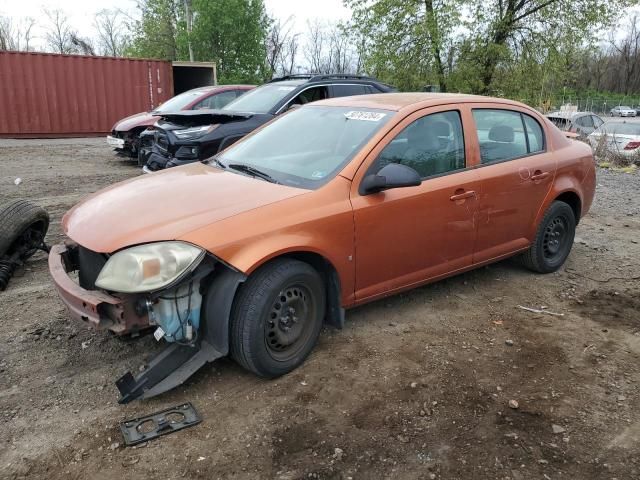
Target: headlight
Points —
{"points": [[150, 267], [194, 132]]}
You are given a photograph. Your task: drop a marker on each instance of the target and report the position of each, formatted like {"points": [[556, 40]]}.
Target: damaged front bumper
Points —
{"points": [[104, 311], [132, 313]]}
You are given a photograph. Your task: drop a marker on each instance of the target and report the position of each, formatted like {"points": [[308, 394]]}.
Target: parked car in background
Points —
{"points": [[125, 133], [186, 137], [332, 205], [582, 123], [619, 138], [622, 111]]}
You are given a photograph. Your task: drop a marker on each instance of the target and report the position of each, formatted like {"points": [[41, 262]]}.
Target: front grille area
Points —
{"points": [[90, 264], [162, 142]]}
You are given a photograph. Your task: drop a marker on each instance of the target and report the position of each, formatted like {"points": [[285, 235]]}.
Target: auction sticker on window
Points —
{"points": [[366, 116]]}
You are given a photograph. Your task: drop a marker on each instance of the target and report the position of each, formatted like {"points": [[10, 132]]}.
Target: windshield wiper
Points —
{"points": [[241, 167], [216, 159]]}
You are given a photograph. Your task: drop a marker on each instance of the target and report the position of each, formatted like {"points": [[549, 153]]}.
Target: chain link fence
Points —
{"points": [[596, 104]]}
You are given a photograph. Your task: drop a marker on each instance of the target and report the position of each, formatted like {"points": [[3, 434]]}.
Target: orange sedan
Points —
{"points": [[332, 205]]}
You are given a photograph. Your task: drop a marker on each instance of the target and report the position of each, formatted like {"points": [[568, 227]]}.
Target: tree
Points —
{"points": [[16, 36], [280, 46], [472, 45], [409, 41], [111, 32], [83, 46], [331, 48], [159, 33], [233, 34], [58, 35], [627, 50], [501, 25]]}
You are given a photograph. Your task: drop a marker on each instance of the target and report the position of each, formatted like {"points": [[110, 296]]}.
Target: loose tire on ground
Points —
{"points": [[19, 219], [277, 317], [553, 240]]}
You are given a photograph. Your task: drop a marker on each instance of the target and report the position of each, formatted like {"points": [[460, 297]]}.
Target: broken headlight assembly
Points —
{"points": [[148, 268]]}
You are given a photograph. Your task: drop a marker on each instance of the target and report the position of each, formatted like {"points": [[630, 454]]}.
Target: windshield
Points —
{"points": [[307, 147], [261, 99], [624, 108], [620, 129], [178, 102]]}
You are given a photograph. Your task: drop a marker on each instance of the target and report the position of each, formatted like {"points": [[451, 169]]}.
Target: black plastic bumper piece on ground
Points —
{"points": [[164, 422], [170, 368]]}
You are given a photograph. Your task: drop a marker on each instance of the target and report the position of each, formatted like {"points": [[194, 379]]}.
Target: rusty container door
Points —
{"points": [[49, 95]]}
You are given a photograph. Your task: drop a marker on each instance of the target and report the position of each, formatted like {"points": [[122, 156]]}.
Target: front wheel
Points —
{"points": [[277, 317], [553, 241]]}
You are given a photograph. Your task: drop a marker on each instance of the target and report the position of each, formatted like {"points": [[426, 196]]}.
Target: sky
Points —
{"points": [[81, 12]]}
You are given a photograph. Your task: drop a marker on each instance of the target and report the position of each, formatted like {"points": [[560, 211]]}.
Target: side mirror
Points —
{"points": [[393, 175]]}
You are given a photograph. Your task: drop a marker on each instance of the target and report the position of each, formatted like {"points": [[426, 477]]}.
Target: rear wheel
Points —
{"points": [[553, 240], [277, 317]]}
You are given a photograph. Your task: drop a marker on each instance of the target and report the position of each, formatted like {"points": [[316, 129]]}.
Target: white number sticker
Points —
{"points": [[366, 116]]}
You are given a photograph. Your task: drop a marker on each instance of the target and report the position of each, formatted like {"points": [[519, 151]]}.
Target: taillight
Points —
{"points": [[632, 145]]}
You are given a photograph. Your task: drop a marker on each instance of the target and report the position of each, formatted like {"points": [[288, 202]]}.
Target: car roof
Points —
{"points": [[211, 88], [413, 100], [568, 115]]}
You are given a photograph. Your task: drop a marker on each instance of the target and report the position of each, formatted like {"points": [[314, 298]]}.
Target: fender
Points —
{"points": [[337, 295], [563, 183], [216, 308]]}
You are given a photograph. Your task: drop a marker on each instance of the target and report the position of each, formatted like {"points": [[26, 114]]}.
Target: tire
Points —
{"points": [[553, 240], [21, 222], [266, 338]]}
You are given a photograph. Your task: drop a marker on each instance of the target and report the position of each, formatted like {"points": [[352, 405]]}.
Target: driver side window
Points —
{"points": [[309, 95], [431, 145]]}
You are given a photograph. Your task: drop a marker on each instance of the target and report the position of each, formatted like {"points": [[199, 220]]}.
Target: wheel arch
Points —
{"points": [[571, 198], [330, 277], [566, 188], [223, 286]]}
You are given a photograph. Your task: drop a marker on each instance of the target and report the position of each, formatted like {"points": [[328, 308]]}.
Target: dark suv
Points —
{"points": [[189, 136]]}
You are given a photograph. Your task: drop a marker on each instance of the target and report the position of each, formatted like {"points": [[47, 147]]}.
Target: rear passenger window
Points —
{"points": [[216, 101], [534, 134], [347, 90], [505, 135]]}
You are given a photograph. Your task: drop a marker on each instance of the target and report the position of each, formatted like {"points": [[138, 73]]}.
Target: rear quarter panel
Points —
{"points": [[575, 173]]}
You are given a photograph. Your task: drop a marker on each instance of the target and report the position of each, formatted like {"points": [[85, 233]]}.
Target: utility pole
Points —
{"points": [[189, 16]]}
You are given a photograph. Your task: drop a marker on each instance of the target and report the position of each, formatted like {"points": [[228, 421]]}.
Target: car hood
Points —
{"points": [[143, 119], [166, 205]]}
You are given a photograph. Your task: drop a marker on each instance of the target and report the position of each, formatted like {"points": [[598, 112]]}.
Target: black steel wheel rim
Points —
{"points": [[556, 238], [291, 321], [29, 241]]}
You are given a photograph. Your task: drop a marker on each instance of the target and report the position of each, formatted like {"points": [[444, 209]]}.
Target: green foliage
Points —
{"points": [[230, 33], [525, 49], [158, 33], [407, 41]]}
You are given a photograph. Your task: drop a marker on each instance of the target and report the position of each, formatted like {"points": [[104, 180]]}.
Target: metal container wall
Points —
{"points": [[50, 95]]}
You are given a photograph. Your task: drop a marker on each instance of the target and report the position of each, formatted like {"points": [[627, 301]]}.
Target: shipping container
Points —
{"points": [[51, 95]]}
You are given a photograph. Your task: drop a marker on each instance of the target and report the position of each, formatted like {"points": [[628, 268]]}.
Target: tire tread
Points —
{"points": [[15, 217], [248, 304]]}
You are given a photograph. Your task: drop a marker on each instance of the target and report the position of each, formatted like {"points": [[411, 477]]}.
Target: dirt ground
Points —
{"points": [[416, 386]]}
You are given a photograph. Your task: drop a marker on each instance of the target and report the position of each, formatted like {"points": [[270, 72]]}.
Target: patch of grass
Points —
{"points": [[628, 169]]}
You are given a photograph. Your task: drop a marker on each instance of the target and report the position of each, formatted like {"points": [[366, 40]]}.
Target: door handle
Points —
{"points": [[462, 195], [538, 175]]}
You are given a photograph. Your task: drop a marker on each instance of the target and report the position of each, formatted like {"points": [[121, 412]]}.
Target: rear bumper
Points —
{"points": [[92, 306]]}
